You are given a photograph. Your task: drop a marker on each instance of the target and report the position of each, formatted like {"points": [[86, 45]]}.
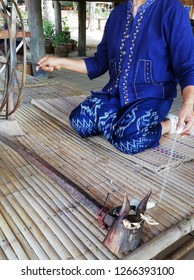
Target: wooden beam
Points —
{"points": [[5, 34], [82, 28], [57, 10], [37, 44]]}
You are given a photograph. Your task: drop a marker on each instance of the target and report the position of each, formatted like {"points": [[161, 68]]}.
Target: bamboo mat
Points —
{"points": [[156, 160], [39, 220], [30, 80]]}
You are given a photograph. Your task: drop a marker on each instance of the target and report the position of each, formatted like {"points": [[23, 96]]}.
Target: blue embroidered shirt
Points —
{"points": [[147, 55]]}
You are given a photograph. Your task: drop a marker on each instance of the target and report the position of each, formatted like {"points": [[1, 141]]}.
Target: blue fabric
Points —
{"points": [[148, 55], [129, 129]]}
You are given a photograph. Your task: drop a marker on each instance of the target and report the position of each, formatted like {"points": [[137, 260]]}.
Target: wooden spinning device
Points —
{"points": [[12, 81]]}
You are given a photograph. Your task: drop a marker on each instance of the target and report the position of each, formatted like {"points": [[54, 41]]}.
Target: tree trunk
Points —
{"points": [[91, 21], [37, 44], [57, 9], [82, 28], [49, 10]]}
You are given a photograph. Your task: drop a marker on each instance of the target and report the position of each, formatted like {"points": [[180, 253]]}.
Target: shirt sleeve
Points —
{"points": [[98, 64], [181, 45]]}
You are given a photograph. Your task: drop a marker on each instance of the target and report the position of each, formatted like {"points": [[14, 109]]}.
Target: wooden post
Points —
{"points": [[49, 10], [82, 28], [91, 24], [57, 10], [37, 44]]}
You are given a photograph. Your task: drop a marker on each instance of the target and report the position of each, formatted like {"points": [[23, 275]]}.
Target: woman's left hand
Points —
{"points": [[186, 119], [186, 114]]}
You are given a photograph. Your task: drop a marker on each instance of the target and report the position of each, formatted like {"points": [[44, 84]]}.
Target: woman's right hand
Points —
{"points": [[49, 63]]}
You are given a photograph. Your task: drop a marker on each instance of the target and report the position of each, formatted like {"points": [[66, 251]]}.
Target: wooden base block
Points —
{"points": [[11, 128]]}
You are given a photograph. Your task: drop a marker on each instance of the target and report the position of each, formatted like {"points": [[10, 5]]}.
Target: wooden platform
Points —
{"points": [[39, 220]]}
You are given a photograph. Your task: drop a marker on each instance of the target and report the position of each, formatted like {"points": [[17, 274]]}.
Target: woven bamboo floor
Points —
{"points": [[156, 159], [39, 220], [30, 81]]}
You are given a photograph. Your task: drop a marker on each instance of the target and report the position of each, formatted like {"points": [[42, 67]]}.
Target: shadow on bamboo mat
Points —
{"points": [[172, 152]]}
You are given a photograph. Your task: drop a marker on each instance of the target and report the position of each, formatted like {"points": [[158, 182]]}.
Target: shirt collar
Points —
{"points": [[142, 7]]}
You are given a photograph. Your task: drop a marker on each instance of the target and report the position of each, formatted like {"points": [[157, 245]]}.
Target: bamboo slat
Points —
{"points": [[75, 234], [27, 249], [12, 240], [2, 254], [182, 250], [6, 247], [44, 229], [27, 227]]}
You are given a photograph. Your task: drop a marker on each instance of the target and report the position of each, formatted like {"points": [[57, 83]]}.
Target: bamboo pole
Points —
{"points": [[6, 247], [182, 250], [54, 227], [2, 254], [13, 211], [153, 247], [72, 235], [27, 248], [12, 239]]}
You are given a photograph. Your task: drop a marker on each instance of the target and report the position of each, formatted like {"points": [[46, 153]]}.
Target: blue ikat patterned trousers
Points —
{"points": [[130, 129]]}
